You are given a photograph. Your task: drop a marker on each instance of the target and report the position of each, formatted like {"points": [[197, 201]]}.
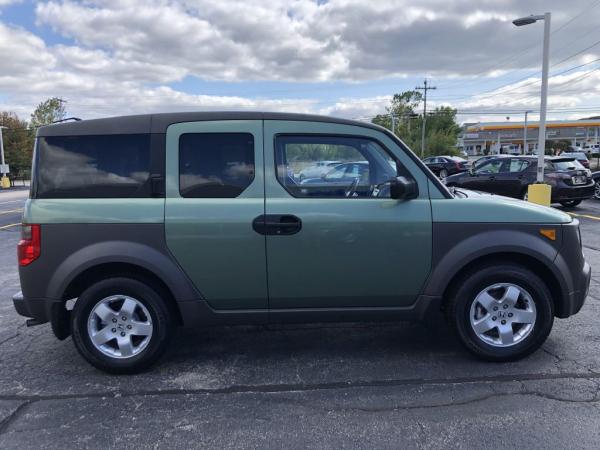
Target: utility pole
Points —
{"points": [[424, 88]]}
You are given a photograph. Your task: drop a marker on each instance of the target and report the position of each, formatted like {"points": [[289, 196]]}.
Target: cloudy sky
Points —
{"points": [[337, 57]]}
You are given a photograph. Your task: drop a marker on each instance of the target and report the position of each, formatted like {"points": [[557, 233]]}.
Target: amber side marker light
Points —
{"points": [[550, 233]]}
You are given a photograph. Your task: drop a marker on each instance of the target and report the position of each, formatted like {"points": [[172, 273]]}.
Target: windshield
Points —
{"points": [[457, 159], [569, 164], [578, 155]]}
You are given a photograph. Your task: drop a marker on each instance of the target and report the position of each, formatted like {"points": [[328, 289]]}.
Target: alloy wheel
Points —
{"points": [[120, 326], [503, 314], [597, 190]]}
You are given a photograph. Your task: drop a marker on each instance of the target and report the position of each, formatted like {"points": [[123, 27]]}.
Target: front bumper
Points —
{"points": [[577, 297]]}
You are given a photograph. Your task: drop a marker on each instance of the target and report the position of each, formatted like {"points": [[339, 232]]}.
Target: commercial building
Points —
{"points": [[509, 137]]}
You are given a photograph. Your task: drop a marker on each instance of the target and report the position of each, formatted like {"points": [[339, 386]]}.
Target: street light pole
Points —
{"points": [[540, 192], [544, 100], [4, 181], [525, 148]]}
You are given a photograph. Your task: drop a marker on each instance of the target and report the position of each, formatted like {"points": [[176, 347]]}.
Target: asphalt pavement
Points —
{"points": [[317, 386]]}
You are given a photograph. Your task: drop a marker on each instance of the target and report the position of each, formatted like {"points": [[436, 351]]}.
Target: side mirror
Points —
{"points": [[401, 188]]}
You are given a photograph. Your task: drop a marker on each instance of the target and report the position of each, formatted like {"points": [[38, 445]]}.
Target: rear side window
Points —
{"points": [[215, 165], [101, 166]]}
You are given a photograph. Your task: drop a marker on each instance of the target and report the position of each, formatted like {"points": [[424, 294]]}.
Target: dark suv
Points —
{"points": [[570, 181], [136, 225]]}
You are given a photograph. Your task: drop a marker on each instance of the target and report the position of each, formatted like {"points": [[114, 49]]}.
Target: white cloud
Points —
{"points": [[126, 55]]}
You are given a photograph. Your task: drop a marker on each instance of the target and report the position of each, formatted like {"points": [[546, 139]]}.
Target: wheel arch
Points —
{"points": [[529, 262], [460, 247]]}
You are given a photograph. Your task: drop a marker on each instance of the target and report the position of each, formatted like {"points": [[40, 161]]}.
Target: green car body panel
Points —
{"points": [[351, 252], [354, 258]]}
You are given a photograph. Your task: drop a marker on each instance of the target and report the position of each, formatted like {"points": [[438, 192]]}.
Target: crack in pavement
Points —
{"points": [[12, 417], [307, 387]]}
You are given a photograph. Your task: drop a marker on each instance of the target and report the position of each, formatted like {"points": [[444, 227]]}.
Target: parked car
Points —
{"points": [[337, 180], [590, 149], [579, 156], [136, 225], [596, 178], [317, 169], [443, 166], [570, 181]]}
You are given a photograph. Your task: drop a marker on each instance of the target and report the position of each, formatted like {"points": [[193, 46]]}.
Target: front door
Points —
{"points": [[215, 189], [342, 244]]}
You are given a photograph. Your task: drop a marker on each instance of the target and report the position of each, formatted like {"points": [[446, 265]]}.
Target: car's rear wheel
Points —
{"points": [[597, 189], [571, 203], [121, 325], [443, 173], [501, 312]]}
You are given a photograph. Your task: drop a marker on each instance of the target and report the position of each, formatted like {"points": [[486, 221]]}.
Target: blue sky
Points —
{"points": [[341, 57]]}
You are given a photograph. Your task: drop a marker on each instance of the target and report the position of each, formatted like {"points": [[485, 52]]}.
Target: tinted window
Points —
{"points": [[215, 165], [364, 169], [491, 166], [93, 166], [566, 165]]}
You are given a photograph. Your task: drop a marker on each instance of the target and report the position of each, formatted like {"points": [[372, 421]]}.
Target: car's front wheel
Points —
{"points": [[501, 312], [597, 189], [121, 325]]}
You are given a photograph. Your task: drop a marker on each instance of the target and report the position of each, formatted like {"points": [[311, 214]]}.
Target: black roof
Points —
{"points": [[158, 123]]}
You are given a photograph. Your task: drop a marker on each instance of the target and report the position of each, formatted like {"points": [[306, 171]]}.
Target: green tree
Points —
{"points": [[441, 128], [47, 112], [18, 144]]}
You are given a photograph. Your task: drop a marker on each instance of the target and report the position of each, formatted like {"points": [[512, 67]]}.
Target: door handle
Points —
{"points": [[277, 224]]}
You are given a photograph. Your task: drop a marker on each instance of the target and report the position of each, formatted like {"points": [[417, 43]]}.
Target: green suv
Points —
{"points": [[136, 225]]}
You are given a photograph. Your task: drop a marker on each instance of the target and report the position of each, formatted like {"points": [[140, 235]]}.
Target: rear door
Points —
{"points": [[215, 189], [511, 180], [350, 247]]}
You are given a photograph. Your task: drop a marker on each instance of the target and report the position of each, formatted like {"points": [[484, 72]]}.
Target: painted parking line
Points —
{"points": [[587, 216], [6, 227], [11, 211]]}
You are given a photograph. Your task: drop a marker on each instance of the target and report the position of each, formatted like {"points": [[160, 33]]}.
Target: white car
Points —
{"points": [[317, 169]]}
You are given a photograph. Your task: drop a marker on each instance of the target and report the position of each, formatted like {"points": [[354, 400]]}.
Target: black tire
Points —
{"points": [[597, 189], [570, 203], [471, 284], [163, 324]]}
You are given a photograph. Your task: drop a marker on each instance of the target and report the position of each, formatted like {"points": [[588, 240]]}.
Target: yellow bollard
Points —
{"points": [[539, 193], [4, 182]]}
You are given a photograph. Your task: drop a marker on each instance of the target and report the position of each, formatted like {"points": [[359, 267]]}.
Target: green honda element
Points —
{"points": [[137, 225]]}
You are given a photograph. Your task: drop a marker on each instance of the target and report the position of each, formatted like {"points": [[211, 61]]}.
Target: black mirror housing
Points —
{"points": [[401, 188]]}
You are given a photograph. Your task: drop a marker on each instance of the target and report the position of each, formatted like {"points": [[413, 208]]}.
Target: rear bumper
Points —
{"points": [[566, 193], [36, 308]]}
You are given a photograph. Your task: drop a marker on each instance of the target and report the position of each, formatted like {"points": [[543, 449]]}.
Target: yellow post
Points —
{"points": [[539, 193], [4, 182]]}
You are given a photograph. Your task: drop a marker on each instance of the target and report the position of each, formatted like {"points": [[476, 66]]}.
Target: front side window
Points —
{"points": [[493, 166], [215, 165], [362, 168], [99, 166]]}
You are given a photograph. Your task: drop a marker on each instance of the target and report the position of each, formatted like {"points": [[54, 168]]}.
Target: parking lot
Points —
{"points": [[321, 385]]}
